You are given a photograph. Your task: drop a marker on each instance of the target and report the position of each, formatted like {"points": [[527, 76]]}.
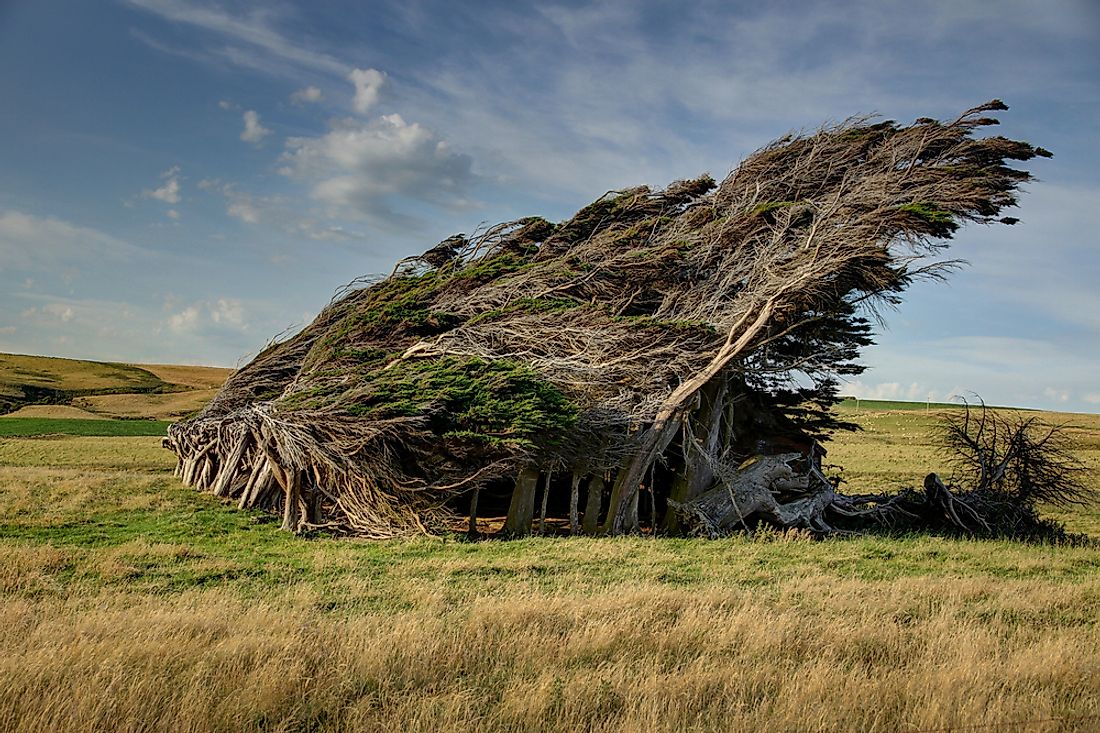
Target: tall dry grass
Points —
{"points": [[130, 604], [810, 654]]}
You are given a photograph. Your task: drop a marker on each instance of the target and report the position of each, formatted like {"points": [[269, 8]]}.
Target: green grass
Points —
{"points": [[143, 532], [33, 426], [97, 498]]}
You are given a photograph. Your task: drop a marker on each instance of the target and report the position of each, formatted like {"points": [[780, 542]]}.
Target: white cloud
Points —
{"points": [[185, 320], [1093, 398], [225, 104], [912, 392], [223, 313], [364, 169], [172, 214], [307, 95], [239, 205], [229, 312], [368, 83], [244, 210], [317, 231], [63, 313], [169, 191], [253, 132], [207, 330], [1058, 395], [276, 211], [50, 313]]}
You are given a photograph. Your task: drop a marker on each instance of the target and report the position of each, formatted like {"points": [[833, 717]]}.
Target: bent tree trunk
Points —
{"points": [[663, 429], [700, 442]]}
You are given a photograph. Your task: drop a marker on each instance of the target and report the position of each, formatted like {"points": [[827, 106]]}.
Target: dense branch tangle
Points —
{"points": [[651, 340]]}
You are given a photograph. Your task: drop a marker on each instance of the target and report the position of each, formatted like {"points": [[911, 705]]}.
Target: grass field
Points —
{"points": [[129, 602], [38, 426], [171, 406]]}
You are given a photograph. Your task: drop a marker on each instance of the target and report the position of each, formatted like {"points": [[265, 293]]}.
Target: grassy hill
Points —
{"points": [[39, 387]]}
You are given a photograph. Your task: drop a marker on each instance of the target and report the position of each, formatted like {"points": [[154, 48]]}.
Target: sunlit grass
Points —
{"points": [[130, 602]]}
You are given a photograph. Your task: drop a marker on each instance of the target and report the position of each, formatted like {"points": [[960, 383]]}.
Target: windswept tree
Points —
{"points": [[656, 348]]}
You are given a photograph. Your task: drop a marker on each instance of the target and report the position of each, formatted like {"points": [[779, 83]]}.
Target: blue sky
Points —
{"points": [[181, 180]]}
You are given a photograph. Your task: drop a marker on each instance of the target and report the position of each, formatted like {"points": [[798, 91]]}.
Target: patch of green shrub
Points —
{"points": [[499, 400], [937, 221]]}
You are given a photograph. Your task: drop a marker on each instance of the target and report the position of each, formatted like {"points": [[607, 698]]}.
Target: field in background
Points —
{"points": [[41, 386], [896, 448], [129, 602]]}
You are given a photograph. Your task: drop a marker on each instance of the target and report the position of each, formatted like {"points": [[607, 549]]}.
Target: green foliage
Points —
{"points": [[770, 206], [367, 356], [491, 268], [492, 401], [533, 231], [870, 134], [589, 219], [400, 304], [527, 305], [769, 212], [930, 218]]}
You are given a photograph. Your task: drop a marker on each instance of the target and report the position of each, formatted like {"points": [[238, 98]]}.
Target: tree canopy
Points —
{"points": [[654, 341]]}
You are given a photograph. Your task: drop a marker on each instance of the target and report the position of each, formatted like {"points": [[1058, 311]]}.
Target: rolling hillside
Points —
{"points": [[42, 387]]}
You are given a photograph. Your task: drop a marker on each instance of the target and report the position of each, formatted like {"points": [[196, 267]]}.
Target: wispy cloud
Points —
{"points": [[113, 329], [222, 313], [255, 28], [238, 204], [29, 242]]}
